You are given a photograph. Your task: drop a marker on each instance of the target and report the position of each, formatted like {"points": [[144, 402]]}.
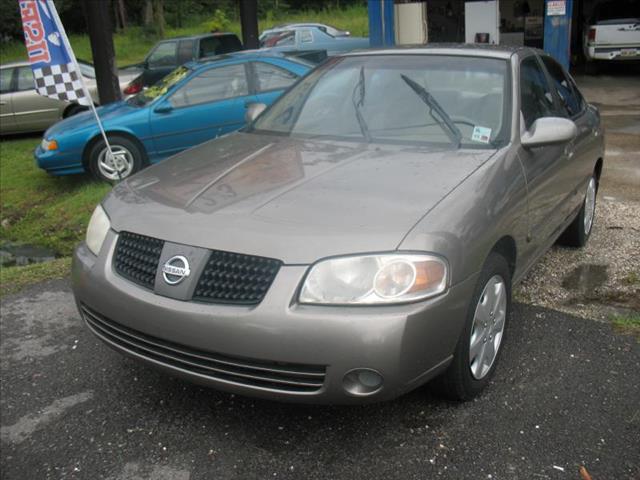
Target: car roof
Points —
{"points": [[462, 49], [246, 55], [197, 37]]}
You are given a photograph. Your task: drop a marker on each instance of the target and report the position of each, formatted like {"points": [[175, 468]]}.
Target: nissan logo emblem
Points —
{"points": [[175, 270]]}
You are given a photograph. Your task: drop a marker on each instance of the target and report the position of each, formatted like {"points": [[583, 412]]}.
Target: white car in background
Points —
{"points": [[613, 32]]}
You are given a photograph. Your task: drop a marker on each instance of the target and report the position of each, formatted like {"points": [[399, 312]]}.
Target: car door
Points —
{"points": [[32, 111], [270, 81], [210, 103], [581, 152], [543, 166], [162, 59], [7, 120]]}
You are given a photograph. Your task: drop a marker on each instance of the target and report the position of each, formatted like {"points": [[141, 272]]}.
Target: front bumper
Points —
{"points": [[406, 344], [56, 162]]}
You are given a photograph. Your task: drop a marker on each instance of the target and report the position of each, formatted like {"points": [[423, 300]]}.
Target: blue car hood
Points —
{"points": [[88, 120]]}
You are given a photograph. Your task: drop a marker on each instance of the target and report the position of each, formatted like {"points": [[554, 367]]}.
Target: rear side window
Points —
{"points": [[185, 51], [571, 102], [271, 77], [219, 45], [25, 79], [5, 80], [536, 100], [212, 85], [306, 36], [163, 56]]}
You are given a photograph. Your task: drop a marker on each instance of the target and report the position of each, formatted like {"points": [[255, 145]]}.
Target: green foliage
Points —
{"points": [[39, 209], [133, 44], [13, 279], [629, 323]]}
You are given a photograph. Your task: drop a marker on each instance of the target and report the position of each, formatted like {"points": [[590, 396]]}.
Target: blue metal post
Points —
{"points": [[381, 23], [557, 31]]}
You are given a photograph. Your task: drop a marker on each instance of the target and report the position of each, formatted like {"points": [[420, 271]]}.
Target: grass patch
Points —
{"points": [[629, 324], [132, 45], [13, 279], [39, 209]]}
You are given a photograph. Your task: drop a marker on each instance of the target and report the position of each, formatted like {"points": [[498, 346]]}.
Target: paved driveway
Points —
{"points": [[566, 395]]}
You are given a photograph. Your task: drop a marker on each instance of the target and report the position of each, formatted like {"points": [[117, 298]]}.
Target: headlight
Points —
{"points": [[97, 230], [47, 145], [375, 279]]}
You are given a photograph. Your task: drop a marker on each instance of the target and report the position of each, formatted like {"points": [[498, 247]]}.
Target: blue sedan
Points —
{"points": [[193, 104]]}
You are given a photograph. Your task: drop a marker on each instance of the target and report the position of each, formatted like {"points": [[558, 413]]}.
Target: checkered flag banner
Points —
{"points": [[55, 69]]}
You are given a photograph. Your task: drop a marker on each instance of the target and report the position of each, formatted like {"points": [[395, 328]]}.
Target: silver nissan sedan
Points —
{"points": [[359, 238]]}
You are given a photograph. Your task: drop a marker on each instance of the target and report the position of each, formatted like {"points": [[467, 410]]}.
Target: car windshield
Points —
{"points": [[154, 92], [408, 99]]}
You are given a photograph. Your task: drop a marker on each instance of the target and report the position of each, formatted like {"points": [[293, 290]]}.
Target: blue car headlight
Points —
{"points": [[48, 145]]}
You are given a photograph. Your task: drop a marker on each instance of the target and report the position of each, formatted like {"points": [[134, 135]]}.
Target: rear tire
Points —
{"points": [[578, 232], [73, 110], [129, 159], [479, 346]]}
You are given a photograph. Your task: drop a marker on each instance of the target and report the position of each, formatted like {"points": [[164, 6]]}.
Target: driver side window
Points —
{"points": [[536, 100], [212, 85]]}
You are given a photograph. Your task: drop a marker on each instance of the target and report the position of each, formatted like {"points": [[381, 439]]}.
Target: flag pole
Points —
{"points": [[52, 8]]}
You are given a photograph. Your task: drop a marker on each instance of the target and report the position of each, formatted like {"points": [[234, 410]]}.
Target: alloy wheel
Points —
{"points": [[589, 205], [118, 166], [488, 327]]}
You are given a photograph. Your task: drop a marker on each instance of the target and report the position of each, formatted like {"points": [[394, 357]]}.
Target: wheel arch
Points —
{"points": [[598, 169], [110, 134], [507, 248]]}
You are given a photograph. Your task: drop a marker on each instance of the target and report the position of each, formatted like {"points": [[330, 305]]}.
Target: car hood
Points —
{"points": [[88, 120], [291, 199]]}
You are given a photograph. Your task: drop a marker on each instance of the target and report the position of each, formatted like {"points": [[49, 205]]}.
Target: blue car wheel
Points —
{"points": [[128, 158]]}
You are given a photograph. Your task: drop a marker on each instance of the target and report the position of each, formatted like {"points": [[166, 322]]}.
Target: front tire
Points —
{"points": [[578, 232], [128, 158], [479, 346]]}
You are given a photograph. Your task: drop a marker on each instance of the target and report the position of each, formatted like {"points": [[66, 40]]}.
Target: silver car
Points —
{"points": [[361, 237], [23, 110]]}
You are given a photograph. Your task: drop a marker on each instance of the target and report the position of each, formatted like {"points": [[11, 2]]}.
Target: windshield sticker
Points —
{"points": [[481, 134]]}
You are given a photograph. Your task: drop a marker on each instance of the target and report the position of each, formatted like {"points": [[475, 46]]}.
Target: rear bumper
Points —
{"points": [[244, 350], [613, 53]]}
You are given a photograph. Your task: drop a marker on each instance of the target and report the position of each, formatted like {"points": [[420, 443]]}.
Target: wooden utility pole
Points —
{"points": [[104, 57], [249, 23]]}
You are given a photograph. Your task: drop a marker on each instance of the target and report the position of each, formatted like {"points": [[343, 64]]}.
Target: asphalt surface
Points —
{"points": [[566, 394]]}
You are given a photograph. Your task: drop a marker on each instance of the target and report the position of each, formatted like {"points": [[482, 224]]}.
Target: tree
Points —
{"points": [[158, 16]]}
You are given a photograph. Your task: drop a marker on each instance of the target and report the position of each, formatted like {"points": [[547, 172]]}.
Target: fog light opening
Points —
{"points": [[362, 381]]}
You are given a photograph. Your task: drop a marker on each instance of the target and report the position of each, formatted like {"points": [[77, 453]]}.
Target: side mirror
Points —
{"points": [[549, 131], [253, 111], [164, 107]]}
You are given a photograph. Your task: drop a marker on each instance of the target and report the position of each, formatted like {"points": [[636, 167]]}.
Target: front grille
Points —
{"points": [[285, 377], [236, 278], [136, 258]]}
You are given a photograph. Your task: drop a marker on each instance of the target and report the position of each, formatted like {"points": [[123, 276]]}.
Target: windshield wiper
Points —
{"points": [[357, 104], [440, 116]]}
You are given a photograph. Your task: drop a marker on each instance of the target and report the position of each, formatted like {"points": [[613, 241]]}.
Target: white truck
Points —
{"points": [[613, 32]]}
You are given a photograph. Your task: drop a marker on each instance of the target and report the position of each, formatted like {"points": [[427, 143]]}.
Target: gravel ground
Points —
{"points": [[598, 281]]}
